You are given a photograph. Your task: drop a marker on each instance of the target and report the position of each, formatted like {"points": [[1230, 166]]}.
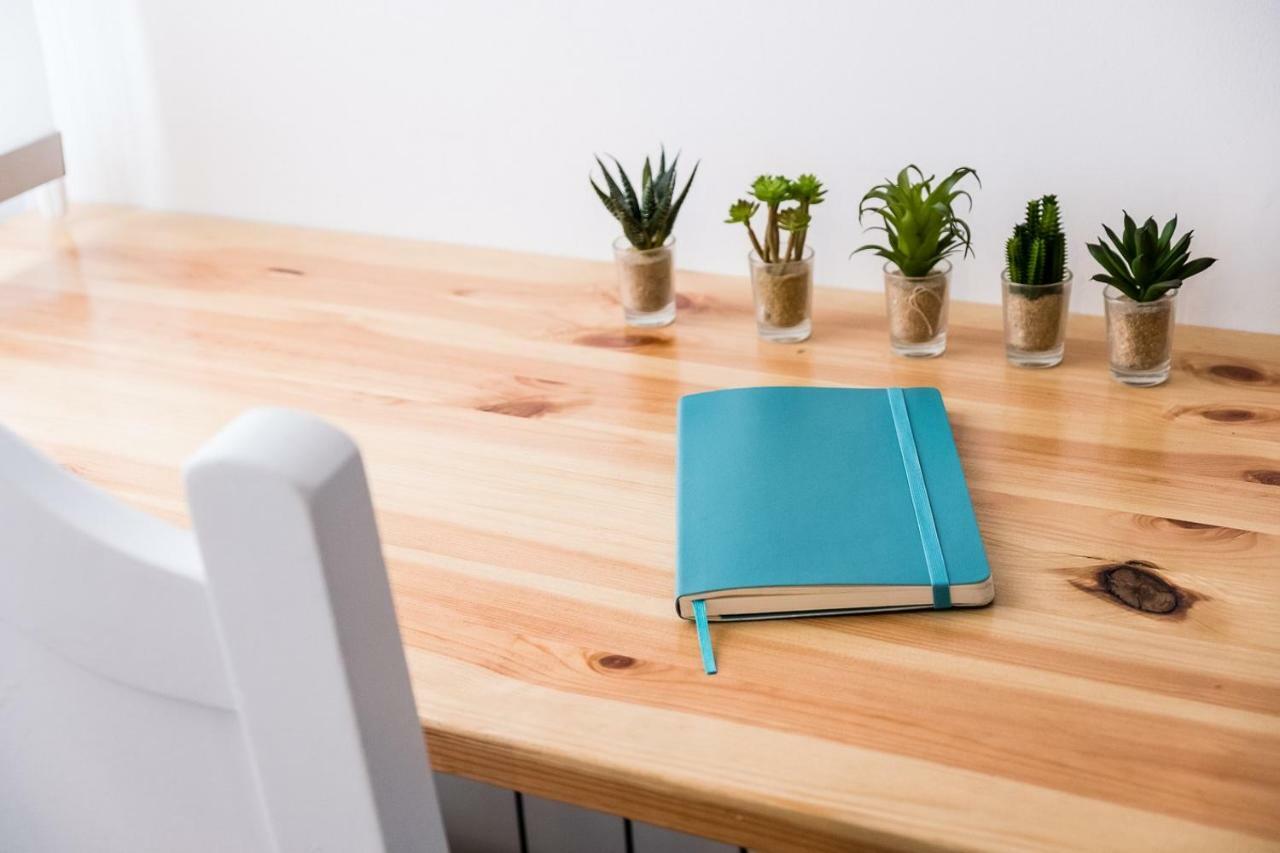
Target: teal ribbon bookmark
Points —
{"points": [[933, 558], [704, 636]]}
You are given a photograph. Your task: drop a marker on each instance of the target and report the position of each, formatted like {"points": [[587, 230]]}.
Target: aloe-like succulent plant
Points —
{"points": [[1145, 263], [646, 217], [920, 223], [773, 191], [1037, 251]]}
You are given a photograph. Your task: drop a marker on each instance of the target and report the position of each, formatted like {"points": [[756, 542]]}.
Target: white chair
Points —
{"points": [[239, 688]]}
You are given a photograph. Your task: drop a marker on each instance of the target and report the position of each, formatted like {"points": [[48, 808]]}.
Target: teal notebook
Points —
{"points": [[819, 501]]}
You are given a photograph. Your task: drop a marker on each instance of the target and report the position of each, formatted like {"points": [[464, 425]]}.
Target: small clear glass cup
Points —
{"points": [[1140, 337], [1035, 320], [783, 294], [917, 307], [646, 283]]}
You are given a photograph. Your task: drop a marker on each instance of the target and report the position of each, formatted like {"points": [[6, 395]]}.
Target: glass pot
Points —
{"points": [[1035, 320], [784, 298], [917, 307], [646, 282], [1140, 337]]}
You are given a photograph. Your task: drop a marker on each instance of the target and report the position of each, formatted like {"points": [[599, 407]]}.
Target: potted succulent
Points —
{"points": [[781, 275], [1036, 287], [645, 253], [921, 230], [1143, 268]]}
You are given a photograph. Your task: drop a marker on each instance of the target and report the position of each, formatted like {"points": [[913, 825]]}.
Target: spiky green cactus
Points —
{"points": [[647, 218], [1037, 251]]}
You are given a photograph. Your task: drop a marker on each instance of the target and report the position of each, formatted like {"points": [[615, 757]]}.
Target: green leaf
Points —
{"points": [[1115, 241], [1148, 238], [1167, 234], [646, 191], [1196, 267], [955, 195], [629, 193], [807, 189], [675, 208], [742, 210], [1109, 260], [944, 189], [1155, 291], [793, 219], [1130, 245], [1119, 284], [770, 189], [604, 199], [1170, 265], [614, 191], [1140, 269]]}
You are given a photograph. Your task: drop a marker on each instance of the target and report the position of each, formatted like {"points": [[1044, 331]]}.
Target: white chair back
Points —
{"points": [[240, 688]]}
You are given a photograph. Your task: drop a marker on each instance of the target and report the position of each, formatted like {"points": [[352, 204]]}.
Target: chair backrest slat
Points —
{"points": [[240, 687], [106, 586], [286, 529]]}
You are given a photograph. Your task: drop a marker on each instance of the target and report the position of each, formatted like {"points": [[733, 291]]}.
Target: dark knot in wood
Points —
{"points": [[1185, 528], [1225, 414], [1237, 373], [615, 662], [1228, 415], [285, 270], [1133, 584], [1263, 476], [1190, 525], [620, 340], [520, 407]]}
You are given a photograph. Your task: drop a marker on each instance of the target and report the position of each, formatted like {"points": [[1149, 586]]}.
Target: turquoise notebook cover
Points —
{"points": [[823, 487]]}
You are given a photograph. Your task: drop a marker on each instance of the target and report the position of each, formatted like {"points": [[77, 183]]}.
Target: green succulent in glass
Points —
{"points": [[1145, 268], [1036, 287], [781, 276], [773, 191], [918, 218], [1145, 263], [921, 229], [1037, 251], [647, 216], [645, 254]]}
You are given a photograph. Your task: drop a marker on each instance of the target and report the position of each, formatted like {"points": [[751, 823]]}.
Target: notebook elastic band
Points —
{"points": [[933, 558], [704, 636]]}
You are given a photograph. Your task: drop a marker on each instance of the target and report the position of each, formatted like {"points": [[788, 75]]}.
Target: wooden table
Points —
{"points": [[520, 446]]}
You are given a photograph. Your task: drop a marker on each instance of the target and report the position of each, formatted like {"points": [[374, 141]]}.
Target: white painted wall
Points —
{"points": [[475, 121], [25, 111]]}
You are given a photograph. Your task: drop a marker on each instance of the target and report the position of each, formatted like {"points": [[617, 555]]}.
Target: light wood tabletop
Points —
{"points": [[520, 448]]}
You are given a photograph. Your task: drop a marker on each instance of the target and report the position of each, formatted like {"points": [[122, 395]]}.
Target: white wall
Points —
{"points": [[25, 111], [475, 121]]}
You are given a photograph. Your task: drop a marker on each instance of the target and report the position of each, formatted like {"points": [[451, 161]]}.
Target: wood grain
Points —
{"points": [[519, 442]]}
